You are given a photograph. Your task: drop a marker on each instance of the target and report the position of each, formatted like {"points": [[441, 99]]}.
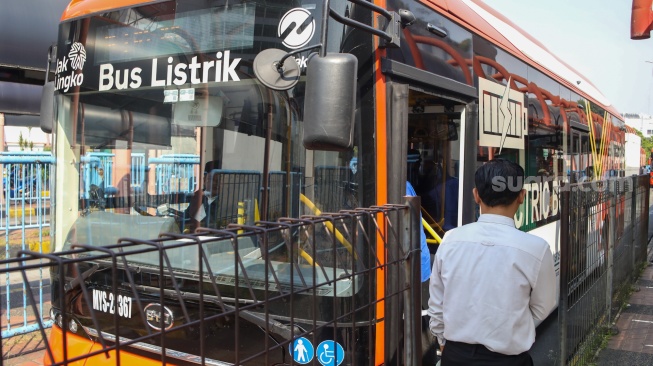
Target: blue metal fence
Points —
{"points": [[138, 168], [98, 171], [175, 173], [25, 222]]}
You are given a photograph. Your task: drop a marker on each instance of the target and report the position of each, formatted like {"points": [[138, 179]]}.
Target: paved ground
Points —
{"points": [[25, 350], [633, 345]]}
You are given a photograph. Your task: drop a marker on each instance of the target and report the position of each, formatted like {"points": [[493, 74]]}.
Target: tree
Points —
{"points": [[647, 142], [24, 143], [21, 141]]}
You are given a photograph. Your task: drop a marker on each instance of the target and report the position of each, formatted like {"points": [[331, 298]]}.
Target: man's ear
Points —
{"points": [[477, 198], [522, 196]]}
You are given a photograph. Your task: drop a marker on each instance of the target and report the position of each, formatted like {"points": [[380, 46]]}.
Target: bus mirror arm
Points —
{"points": [[279, 64], [395, 22]]}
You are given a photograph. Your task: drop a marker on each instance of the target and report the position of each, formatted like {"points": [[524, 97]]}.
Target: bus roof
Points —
{"points": [[474, 14], [487, 22]]}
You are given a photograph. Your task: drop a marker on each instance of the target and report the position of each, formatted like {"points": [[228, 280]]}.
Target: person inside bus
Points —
{"points": [[413, 163], [491, 282], [439, 192], [442, 199], [204, 202]]}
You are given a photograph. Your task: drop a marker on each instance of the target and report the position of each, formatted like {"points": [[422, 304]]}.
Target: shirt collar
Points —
{"points": [[496, 219]]}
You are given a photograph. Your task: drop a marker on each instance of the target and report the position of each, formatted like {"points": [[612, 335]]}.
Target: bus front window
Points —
{"points": [[163, 128]]}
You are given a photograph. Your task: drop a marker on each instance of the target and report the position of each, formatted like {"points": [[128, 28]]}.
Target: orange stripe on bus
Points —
{"points": [[80, 346], [381, 193]]}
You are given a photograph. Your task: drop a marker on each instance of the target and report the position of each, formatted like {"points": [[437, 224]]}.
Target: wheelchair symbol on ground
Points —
{"points": [[330, 353], [301, 350]]}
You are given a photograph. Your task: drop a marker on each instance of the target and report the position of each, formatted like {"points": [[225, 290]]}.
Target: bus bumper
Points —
{"points": [[81, 346]]}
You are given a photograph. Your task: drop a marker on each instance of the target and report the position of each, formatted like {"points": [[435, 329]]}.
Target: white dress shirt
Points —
{"points": [[489, 284], [201, 213]]}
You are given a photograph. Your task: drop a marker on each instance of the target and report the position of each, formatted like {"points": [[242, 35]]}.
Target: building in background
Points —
{"points": [[635, 155], [641, 122]]}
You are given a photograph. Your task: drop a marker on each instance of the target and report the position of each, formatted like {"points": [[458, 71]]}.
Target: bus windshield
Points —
{"points": [[164, 128]]}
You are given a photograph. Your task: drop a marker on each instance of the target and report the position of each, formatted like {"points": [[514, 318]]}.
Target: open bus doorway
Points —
{"points": [[434, 132], [433, 167]]}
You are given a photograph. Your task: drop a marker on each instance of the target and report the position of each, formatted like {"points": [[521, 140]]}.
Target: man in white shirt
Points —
{"points": [[201, 210], [490, 281]]}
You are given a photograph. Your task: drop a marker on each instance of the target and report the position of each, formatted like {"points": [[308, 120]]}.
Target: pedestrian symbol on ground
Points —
{"points": [[330, 353], [301, 350]]}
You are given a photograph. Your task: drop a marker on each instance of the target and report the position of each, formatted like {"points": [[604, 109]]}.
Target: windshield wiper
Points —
{"points": [[78, 279]]}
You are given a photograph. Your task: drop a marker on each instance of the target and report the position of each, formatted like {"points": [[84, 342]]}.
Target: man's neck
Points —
{"points": [[507, 211]]}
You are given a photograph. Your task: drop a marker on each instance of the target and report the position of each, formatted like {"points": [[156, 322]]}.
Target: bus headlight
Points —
{"points": [[55, 316], [72, 326]]}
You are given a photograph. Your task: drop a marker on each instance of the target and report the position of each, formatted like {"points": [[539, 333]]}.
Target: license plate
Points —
{"points": [[107, 302]]}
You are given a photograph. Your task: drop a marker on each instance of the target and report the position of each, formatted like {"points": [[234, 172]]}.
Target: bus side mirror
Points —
{"points": [[47, 107], [330, 102]]}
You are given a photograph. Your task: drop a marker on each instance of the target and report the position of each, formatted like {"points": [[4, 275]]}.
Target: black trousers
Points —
{"points": [[463, 354]]}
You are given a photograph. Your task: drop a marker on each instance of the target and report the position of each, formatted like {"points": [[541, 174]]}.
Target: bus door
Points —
{"points": [[427, 148], [438, 125]]}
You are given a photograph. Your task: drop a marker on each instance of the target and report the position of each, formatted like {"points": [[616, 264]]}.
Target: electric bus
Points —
{"points": [[181, 121]]}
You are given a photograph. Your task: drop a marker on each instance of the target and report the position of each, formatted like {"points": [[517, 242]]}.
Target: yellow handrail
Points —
{"points": [[241, 221], [306, 257], [431, 221], [329, 225], [436, 238]]}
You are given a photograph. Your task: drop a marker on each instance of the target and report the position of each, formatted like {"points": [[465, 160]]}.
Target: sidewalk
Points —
{"points": [[30, 347], [633, 345]]}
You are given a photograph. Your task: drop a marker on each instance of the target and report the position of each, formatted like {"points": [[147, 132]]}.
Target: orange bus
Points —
{"points": [[178, 121]]}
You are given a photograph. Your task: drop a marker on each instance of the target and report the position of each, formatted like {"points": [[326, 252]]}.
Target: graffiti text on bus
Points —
{"points": [[202, 72]]}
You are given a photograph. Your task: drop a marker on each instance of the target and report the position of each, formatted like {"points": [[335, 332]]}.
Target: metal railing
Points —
{"points": [[175, 173], [309, 281], [335, 188], [604, 226], [25, 223], [98, 169]]}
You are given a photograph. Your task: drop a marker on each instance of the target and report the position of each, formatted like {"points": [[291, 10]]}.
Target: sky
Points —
{"points": [[593, 37]]}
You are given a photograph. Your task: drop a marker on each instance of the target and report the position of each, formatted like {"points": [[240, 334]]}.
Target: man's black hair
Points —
{"points": [[499, 182], [210, 165]]}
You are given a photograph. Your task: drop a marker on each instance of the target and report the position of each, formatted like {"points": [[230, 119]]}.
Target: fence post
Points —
{"points": [[633, 220], [564, 265], [645, 214], [412, 298], [612, 217]]}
